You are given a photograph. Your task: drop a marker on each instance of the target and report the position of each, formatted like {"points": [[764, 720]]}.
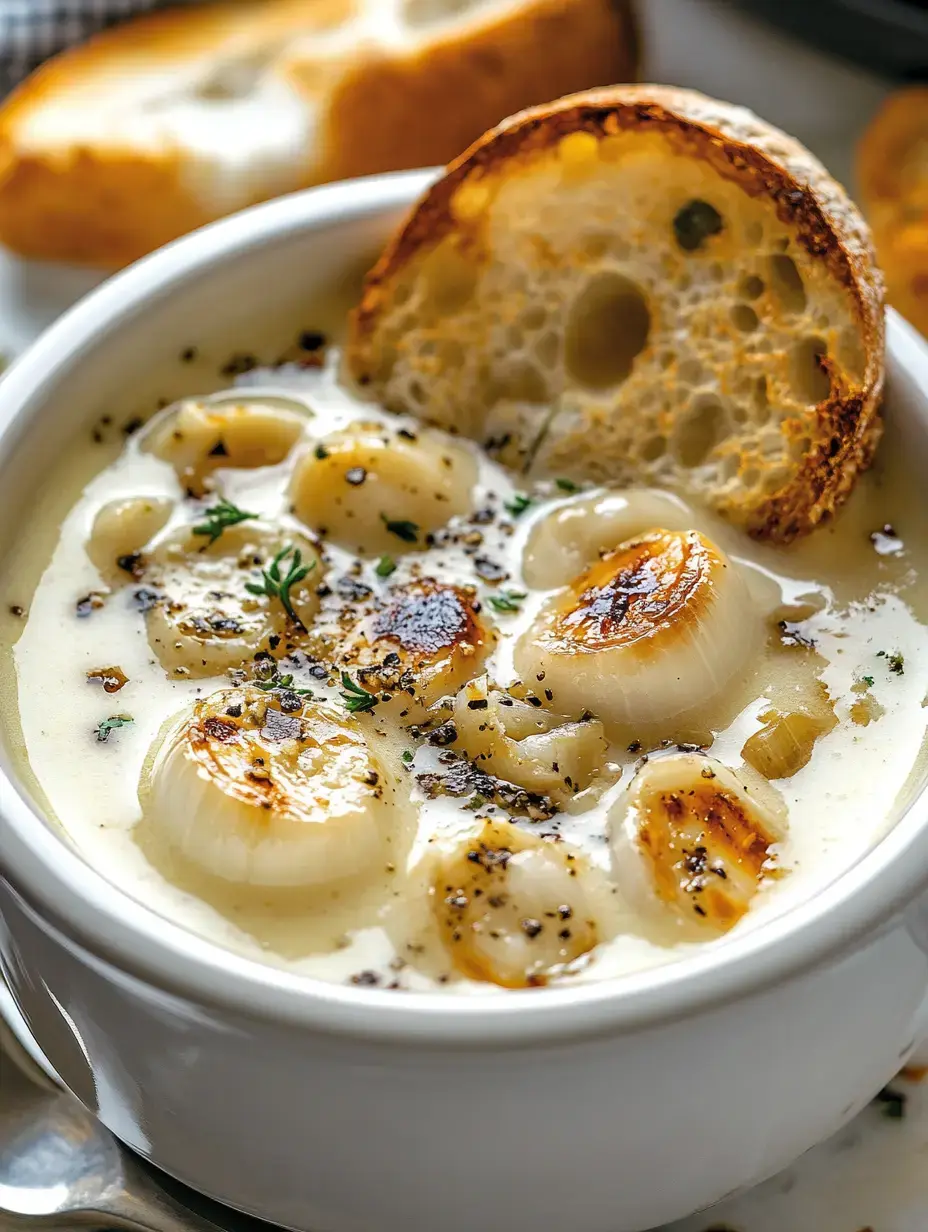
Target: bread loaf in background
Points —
{"points": [[892, 175], [172, 120]]}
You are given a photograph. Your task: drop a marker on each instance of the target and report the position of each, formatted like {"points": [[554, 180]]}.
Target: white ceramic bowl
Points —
{"points": [[599, 1108]]}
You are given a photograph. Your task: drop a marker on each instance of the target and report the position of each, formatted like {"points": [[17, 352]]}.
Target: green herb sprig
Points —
{"points": [[507, 601], [220, 517], [407, 531], [104, 728], [385, 566], [519, 503], [277, 681], [567, 485], [277, 586], [356, 699]]}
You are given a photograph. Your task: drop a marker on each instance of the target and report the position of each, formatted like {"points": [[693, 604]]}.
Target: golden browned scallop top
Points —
{"points": [[659, 583], [261, 745], [428, 618], [703, 841], [423, 641]]}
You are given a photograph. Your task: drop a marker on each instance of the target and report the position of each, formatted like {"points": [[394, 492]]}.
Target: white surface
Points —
{"points": [[872, 1173]]}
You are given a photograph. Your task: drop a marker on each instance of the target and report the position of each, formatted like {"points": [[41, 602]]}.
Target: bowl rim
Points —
{"points": [[74, 901]]}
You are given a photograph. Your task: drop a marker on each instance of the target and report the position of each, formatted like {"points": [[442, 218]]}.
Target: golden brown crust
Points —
{"points": [[739, 148], [381, 110]]}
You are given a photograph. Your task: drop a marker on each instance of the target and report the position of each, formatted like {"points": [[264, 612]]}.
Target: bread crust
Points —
{"points": [[751, 154], [380, 110]]}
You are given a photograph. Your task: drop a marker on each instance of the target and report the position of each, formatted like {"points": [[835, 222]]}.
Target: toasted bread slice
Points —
{"points": [[174, 119], [640, 284], [892, 176]]}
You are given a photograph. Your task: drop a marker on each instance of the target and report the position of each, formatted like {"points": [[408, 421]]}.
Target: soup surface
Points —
{"points": [[341, 693]]}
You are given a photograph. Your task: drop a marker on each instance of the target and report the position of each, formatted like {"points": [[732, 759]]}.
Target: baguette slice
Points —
{"points": [[640, 284], [173, 119]]}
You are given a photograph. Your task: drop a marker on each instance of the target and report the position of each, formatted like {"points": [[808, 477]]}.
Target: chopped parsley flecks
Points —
{"points": [[385, 566], [519, 503], [276, 585], [407, 531], [104, 728], [356, 699], [220, 517], [894, 661], [507, 601], [567, 485], [408, 756], [893, 1103]]}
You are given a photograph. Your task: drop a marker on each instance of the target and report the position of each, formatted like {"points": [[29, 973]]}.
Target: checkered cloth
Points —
{"points": [[33, 30]]}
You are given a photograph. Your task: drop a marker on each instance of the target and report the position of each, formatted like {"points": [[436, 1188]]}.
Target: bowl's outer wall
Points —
{"points": [[335, 1132]]}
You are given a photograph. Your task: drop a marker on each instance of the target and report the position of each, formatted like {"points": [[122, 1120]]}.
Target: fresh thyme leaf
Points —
{"points": [[277, 587], [868, 681], [477, 801], [220, 517], [277, 681], [506, 600], [567, 485], [385, 566], [519, 503], [355, 698], [104, 728], [408, 755], [407, 531], [321, 452]]}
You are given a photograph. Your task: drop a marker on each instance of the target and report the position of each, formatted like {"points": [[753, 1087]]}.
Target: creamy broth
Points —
{"points": [[843, 607]]}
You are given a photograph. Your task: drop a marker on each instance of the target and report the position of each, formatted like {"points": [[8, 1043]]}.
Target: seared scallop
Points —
{"points": [[423, 642], [693, 842], [258, 794], [375, 489], [513, 909], [211, 606], [651, 631]]}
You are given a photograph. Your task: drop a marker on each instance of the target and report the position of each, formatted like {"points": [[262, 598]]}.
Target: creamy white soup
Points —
{"points": [[339, 692]]}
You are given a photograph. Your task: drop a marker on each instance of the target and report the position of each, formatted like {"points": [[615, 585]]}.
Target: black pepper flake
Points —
{"points": [[131, 426], [531, 927], [893, 1103], [480, 703], [89, 603], [16, 610], [188, 355], [144, 599], [219, 450], [407, 435], [311, 340], [131, 563], [239, 364], [366, 979], [489, 570]]}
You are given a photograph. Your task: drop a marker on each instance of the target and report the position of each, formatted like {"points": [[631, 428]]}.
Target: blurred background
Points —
{"points": [[125, 123]]}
